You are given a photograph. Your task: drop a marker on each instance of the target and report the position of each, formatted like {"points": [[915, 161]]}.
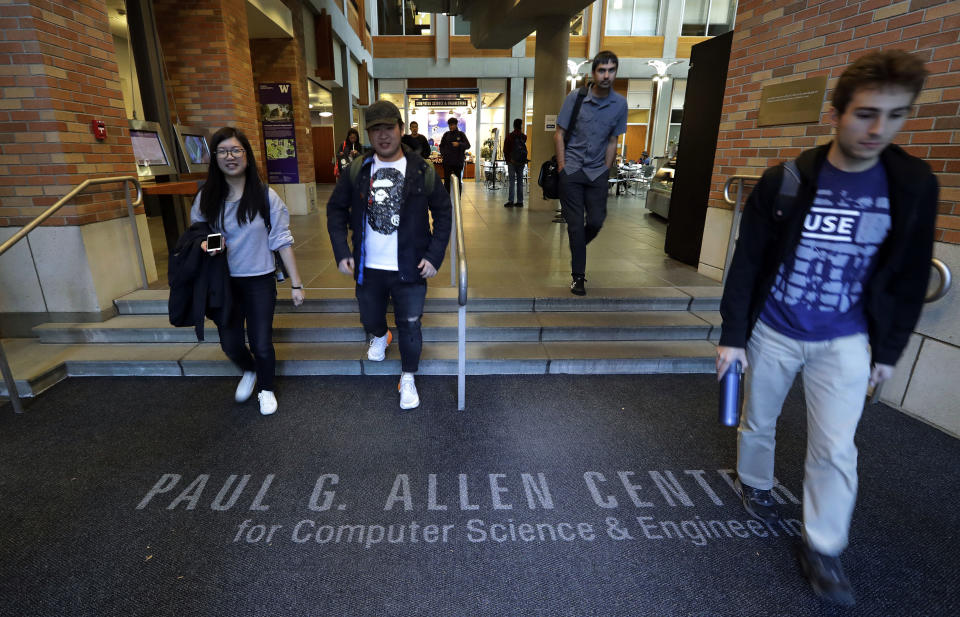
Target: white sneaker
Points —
{"points": [[378, 347], [245, 387], [268, 402], [408, 392]]}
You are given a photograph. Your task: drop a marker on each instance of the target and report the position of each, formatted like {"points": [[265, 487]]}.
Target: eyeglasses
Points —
{"points": [[235, 152]]}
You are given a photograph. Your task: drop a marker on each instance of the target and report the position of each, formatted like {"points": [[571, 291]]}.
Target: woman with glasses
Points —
{"points": [[254, 223]]}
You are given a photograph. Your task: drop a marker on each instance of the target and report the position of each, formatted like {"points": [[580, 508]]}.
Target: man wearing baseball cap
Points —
{"points": [[387, 198]]}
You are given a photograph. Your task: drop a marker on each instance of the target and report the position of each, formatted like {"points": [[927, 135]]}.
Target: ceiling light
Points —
{"points": [[326, 114]]}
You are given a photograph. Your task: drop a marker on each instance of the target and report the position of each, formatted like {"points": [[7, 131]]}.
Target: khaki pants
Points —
{"points": [[835, 377]]}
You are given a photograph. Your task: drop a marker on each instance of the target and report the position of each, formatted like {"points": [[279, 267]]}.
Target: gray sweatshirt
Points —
{"points": [[249, 249]]}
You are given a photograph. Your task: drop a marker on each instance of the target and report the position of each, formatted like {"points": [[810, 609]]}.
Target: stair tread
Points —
{"points": [[562, 319], [438, 291]]}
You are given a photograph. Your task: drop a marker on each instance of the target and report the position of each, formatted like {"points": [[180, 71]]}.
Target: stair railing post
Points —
{"points": [[734, 225], [136, 233], [11, 383]]}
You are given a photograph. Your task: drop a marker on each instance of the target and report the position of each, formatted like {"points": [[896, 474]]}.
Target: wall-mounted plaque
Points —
{"points": [[792, 102]]}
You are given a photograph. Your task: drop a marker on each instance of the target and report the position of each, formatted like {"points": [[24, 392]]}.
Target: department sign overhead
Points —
{"points": [[440, 102]]}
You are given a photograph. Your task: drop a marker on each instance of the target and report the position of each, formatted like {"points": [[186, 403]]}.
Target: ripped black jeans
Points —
{"points": [[381, 285]]}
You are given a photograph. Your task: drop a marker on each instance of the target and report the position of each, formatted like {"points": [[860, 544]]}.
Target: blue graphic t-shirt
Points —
{"points": [[819, 294]]}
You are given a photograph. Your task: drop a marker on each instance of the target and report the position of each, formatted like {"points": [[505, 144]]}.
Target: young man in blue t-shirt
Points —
{"points": [[829, 283]]}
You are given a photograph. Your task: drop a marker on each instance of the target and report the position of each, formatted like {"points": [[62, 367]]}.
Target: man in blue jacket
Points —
{"points": [[827, 283], [387, 198]]}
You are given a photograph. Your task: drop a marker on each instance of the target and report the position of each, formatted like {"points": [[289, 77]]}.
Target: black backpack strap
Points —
{"points": [[266, 219], [581, 94], [789, 185]]}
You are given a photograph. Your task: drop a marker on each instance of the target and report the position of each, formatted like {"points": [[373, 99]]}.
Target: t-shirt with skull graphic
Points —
{"points": [[383, 214]]}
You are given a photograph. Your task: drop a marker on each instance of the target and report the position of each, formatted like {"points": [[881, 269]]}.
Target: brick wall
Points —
{"points": [[206, 54], [283, 60], [786, 40], [58, 72]]}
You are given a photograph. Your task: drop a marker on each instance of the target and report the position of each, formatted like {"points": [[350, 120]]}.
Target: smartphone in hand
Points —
{"points": [[214, 243]]}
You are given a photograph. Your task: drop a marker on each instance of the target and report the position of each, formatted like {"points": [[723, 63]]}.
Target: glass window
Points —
{"points": [[721, 18], [576, 24], [632, 17], [493, 115], [390, 16], [398, 17], [645, 17], [421, 22], [619, 17], [461, 27], [708, 17]]}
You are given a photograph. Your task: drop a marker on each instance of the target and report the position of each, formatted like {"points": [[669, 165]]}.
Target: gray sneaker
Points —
{"points": [[758, 503]]}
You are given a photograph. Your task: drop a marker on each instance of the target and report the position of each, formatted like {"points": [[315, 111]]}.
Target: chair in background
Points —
{"points": [[645, 176]]}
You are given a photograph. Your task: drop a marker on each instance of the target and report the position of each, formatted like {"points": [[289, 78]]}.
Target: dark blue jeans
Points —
{"points": [[515, 179], [381, 285], [584, 205], [254, 298]]}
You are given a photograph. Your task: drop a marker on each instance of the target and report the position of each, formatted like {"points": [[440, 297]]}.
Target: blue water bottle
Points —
{"points": [[730, 396]]}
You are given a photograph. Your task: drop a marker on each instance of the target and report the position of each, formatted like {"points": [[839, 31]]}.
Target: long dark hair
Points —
{"points": [[215, 189], [354, 145]]}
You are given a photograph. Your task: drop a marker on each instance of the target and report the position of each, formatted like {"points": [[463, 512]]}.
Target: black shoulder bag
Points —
{"points": [[549, 179]]}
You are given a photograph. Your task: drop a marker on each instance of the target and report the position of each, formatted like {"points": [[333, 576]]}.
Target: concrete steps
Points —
{"points": [[444, 299], [437, 327], [643, 330]]}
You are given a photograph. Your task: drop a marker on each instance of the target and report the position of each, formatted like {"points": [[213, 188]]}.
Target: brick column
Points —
{"points": [[206, 52], [58, 72], [283, 60]]}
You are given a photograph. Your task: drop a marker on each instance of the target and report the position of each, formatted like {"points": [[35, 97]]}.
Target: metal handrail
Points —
{"points": [[942, 269], [20, 235], [945, 281], [460, 258], [735, 224]]}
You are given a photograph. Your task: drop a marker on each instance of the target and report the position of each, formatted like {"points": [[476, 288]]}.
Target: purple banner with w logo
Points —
{"points": [[279, 139]]}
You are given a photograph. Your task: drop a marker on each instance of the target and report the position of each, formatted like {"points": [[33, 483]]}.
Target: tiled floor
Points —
{"points": [[514, 251]]}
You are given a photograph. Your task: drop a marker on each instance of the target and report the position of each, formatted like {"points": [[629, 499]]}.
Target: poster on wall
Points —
{"points": [[279, 139], [437, 126]]}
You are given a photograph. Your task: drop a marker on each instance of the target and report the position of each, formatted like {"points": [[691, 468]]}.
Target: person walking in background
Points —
{"points": [[254, 222], [349, 149], [515, 152], [453, 147], [416, 142], [387, 198], [826, 283], [585, 154]]}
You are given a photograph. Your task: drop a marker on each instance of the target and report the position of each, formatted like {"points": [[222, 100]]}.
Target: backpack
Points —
{"points": [[518, 150], [549, 179], [429, 178]]}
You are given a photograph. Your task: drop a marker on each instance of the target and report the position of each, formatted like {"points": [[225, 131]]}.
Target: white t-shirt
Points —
{"points": [[383, 214]]}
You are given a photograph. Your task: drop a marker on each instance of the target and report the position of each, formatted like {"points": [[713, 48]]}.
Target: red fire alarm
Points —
{"points": [[99, 129]]}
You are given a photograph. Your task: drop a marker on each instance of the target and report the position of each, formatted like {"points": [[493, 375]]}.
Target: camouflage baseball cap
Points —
{"points": [[382, 112]]}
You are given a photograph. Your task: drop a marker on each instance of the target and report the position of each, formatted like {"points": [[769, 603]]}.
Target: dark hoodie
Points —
{"points": [[770, 231]]}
